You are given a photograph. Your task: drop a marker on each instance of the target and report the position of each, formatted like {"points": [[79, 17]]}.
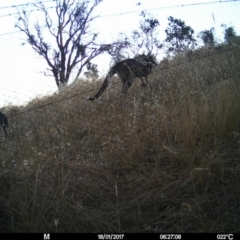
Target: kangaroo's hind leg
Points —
{"points": [[126, 85], [5, 130], [144, 84]]}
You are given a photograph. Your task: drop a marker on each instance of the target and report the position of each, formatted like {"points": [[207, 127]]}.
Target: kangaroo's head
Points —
{"points": [[151, 60], [150, 63]]}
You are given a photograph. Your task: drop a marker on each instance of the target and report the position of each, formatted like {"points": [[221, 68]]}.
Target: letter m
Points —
{"points": [[46, 236]]}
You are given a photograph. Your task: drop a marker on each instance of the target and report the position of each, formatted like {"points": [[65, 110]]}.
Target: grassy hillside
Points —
{"points": [[164, 159]]}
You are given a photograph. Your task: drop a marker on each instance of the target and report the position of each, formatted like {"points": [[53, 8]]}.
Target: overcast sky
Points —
{"points": [[20, 77]]}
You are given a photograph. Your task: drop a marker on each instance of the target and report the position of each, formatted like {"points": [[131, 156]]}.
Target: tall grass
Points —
{"points": [[164, 159]]}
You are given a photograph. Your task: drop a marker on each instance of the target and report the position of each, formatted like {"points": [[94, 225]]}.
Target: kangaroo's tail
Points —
{"points": [[104, 85]]}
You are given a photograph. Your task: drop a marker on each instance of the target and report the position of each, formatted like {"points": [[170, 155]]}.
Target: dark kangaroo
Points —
{"points": [[128, 70], [4, 124]]}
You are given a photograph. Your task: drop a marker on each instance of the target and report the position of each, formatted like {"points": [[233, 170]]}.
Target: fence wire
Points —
{"points": [[163, 153]]}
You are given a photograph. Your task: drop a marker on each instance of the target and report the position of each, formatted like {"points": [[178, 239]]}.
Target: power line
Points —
{"points": [[34, 10], [131, 12], [167, 7], [125, 13], [25, 4]]}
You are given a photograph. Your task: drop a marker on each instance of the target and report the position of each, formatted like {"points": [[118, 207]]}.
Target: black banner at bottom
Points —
{"points": [[119, 236]]}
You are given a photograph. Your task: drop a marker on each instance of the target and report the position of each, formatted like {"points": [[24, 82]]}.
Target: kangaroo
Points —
{"points": [[4, 124], [127, 70]]}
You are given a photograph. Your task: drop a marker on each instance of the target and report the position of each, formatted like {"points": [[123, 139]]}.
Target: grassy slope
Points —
{"points": [[162, 160]]}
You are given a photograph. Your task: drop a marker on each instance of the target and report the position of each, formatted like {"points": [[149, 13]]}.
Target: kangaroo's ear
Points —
{"points": [[152, 60]]}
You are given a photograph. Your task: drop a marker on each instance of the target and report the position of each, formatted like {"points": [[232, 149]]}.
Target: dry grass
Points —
{"points": [[162, 160]]}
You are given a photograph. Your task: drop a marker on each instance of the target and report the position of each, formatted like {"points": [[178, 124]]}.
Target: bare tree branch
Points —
{"points": [[74, 44]]}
